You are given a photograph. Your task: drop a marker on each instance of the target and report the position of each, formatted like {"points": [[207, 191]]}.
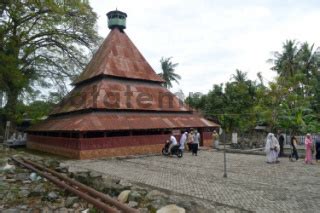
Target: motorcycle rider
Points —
{"points": [[173, 142]]}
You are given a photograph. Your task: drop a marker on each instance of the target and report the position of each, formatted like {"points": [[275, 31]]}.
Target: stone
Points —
{"points": [[62, 169], [51, 163], [171, 209], [34, 176], [11, 180], [155, 194], [45, 210], [23, 207], [125, 183], [94, 174], [63, 210], [82, 177], [38, 190], [10, 196], [134, 196], [24, 193], [76, 205], [70, 201], [144, 210], [22, 176], [133, 204], [8, 167], [12, 210], [142, 191], [111, 188], [157, 204], [123, 196], [52, 196]]}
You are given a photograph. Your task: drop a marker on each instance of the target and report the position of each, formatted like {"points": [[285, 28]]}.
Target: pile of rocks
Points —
{"points": [[143, 198], [24, 191]]}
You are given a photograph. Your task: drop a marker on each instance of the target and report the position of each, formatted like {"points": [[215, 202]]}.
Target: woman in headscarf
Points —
{"points": [[308, 145], [272, 148]]}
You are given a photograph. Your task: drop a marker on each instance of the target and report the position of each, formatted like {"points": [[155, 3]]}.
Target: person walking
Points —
{"points": [[318, 148], [272, 148], [190, 140], [308, 145], [215, 139], [281, 143], [196, 142], [183, 140], [294, 152]]}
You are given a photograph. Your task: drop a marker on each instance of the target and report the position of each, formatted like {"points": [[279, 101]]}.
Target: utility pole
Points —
{"points": [[224, 156]]}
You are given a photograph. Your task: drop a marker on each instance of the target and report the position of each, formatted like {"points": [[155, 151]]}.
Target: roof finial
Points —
{"points": [[116, 18]]}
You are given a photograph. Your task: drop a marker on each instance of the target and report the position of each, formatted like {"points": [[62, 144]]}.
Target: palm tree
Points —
{"points": [[285, 63], [168, 75], [239, 77]]}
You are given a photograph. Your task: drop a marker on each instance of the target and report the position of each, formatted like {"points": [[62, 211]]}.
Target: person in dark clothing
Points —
{"points": [[281, 143], [318, 148], [294, 152]]}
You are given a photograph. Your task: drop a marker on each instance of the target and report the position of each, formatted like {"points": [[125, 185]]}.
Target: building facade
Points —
{"points": [[118, 106]]}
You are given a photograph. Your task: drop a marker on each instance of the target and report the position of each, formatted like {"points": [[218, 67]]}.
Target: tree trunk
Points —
{"points": [[1, 99], [11, 106]]}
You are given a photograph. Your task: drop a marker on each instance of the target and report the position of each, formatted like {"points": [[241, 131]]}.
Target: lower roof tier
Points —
{"points": [[100, 121]]}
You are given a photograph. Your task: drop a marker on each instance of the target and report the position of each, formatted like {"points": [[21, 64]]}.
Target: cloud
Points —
{"points": [[210, 39]]}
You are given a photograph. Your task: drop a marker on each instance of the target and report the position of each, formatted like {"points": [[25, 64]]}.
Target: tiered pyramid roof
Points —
{"points": [[119, 90]]}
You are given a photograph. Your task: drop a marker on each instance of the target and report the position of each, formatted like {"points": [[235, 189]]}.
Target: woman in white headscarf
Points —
{"points": [[272, 148]]}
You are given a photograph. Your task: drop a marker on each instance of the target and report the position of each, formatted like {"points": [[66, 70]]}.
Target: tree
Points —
{"points": [[168, 74], [285, 63], [196, 100], [42, 44], [240, 76], [298, 69]]}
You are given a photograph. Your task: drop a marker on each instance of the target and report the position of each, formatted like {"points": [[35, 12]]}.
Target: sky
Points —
{"points": [[210, 39]]}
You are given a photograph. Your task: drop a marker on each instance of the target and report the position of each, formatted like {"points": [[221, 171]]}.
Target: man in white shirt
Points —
{"points": [[183, 140], [196, 142], [173, 142]]}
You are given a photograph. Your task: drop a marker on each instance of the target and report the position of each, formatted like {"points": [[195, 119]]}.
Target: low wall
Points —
{"points": [[85, 148]]}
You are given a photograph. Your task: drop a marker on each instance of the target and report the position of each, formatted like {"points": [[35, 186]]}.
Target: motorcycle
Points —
{"points": [[174, 151]]}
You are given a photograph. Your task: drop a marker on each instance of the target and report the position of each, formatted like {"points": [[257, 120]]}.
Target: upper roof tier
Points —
{"points": [[119, 57]]}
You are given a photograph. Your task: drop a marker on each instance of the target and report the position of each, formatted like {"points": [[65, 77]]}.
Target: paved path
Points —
{"points": [[251, 184]]}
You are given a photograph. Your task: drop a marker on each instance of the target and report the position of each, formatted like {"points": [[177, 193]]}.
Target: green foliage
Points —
{"points": [[36, 111], [196, 100], [43, 43], [291, 102], [168, 74]]}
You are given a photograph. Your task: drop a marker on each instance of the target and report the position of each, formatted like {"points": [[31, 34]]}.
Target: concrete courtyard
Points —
{"points": [[252, 185]]}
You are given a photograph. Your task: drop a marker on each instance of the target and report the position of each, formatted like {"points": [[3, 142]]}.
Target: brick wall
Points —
{"points": [[207, 139], [85, 148]]}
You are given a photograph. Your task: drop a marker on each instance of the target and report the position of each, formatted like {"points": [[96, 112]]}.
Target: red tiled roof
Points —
{"points": [[101, 121], [118, 56], [113, 94], [100, 94]]}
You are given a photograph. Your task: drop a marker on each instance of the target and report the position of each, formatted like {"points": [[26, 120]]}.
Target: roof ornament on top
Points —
{"points": [[117, 18]]}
